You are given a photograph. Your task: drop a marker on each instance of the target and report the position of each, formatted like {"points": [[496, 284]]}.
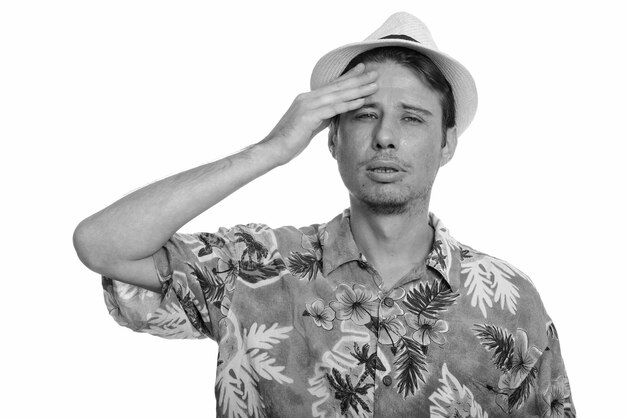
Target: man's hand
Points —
{"points": [[119, 240], [311, 112]]}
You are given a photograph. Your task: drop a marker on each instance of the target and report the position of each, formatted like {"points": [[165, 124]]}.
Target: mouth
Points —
{"points": [[384, 167], [384, 171]]}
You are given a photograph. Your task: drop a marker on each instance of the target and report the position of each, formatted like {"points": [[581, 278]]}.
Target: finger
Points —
{"points": [[356, 80], [351, 72], [328, 112], [344, 95]]}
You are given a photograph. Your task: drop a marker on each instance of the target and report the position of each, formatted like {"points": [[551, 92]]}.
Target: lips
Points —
{"points": [[384, 171], [381, 166]]}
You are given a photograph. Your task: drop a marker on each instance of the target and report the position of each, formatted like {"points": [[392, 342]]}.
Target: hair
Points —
{"points": [[423, 67]]}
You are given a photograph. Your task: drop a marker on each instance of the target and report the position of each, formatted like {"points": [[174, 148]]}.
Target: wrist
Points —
{"points": [[270, 150]]}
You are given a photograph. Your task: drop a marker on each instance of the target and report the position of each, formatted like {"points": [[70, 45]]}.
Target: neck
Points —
{"points": [[399, 239]]}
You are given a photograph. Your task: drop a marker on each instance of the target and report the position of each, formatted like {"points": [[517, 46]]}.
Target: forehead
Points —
{"points": [[399, 83]]}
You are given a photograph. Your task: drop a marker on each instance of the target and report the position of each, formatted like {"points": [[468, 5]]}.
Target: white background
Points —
{"points": [[100, 98]]}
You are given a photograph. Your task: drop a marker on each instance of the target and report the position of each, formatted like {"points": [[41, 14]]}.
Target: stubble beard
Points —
{"points": [[382, 203]]}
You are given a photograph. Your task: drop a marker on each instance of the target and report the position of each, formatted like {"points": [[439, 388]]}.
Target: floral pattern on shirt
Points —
{"points": [[307, 327]]}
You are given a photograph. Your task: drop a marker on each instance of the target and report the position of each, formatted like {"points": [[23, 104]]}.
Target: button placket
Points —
{"points": [[362, 261]]}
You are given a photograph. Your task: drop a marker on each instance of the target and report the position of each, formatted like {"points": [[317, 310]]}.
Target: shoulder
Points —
{"points": [[258, 237], [505, 295], [499, 287]]}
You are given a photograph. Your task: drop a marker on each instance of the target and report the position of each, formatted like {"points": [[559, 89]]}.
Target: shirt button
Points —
{"points": [[387, 380], [388, 302]]}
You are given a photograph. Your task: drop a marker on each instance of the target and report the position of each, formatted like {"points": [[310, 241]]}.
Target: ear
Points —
{"points": [[448, 150], [332, 138]]}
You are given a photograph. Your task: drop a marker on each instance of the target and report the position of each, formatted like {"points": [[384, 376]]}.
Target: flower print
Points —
{"points": [[307, 264], [522, 360], [390, 330], [227, 270], [390, 306], [225, 305], [357, 303], [427, 329], [556, 396], [323, 316]]}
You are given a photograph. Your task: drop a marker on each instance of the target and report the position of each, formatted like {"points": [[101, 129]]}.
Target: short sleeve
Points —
{"points": [[552, 388], [197, 276]]}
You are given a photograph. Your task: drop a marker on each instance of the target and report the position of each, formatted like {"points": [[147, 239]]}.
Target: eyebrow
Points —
{"points": [[404, 106]]}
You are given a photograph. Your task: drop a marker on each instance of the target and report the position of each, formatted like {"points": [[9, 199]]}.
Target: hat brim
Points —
{"points": [[331, 65]]}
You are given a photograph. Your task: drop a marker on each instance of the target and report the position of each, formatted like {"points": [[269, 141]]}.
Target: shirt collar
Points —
{"points": [[339, 247]]}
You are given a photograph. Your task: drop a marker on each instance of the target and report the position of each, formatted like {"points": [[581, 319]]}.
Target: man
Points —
{"points": [[379, 312]]}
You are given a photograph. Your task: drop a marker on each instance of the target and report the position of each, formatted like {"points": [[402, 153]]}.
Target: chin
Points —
{"points": [[387, 208], [386, 203], [382, 203]]}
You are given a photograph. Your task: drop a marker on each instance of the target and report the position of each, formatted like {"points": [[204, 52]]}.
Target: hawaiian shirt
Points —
{"points": [[306, 327]]}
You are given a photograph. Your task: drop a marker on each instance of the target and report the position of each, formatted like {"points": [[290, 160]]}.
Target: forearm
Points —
{"points": [[138, 224]]}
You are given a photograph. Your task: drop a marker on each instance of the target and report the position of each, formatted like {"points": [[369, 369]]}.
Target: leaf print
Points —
{"points": [[242, 363], [497, 340], [488, 280], [254, 249], [452, 399], [263, 365], [304, 265], [517, 393], [371, 361], [523, 358], [478, 285], [126, 292], [194, 316], [228, 271], [253, 272], [171, 322], [357, 303], [259, 337], [338, 357], [429, 300], [505, 291], [209, 240], [410, 365], [439, 256], [348, 394], [212, 286]]}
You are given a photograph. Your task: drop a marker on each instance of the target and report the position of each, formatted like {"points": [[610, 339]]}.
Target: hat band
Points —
{"points": [[404, 37]]}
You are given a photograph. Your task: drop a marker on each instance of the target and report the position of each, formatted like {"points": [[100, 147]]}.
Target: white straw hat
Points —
{"points": [[404, 29]]}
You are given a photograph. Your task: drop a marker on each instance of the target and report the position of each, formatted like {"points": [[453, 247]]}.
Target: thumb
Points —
{"points": [[322, 126]]}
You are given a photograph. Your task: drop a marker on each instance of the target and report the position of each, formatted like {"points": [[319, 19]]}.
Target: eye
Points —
{"points": [[414, 119], [366, 116]]}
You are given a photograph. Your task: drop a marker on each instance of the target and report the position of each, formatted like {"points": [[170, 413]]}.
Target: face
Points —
{"points": [[389, 150]]}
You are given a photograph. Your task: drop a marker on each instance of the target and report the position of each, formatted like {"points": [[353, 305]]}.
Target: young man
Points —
{"points": [[379, 312]]}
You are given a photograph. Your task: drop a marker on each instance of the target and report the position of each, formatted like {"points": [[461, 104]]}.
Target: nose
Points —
{"points": [[385, 136]]}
